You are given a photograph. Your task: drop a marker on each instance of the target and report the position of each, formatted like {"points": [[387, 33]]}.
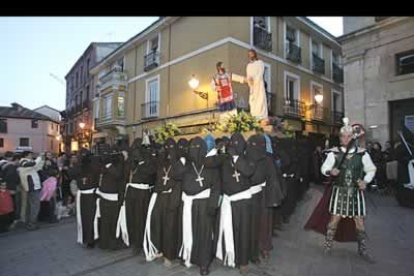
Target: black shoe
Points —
{"points": [[204, 271]]}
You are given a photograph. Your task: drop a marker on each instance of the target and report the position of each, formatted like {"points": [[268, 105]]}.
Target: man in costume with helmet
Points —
{"points": [[351, 169]]}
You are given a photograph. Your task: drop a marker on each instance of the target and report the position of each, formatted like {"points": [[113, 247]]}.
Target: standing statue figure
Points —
{"points": [[257, 96], [221, 82]]}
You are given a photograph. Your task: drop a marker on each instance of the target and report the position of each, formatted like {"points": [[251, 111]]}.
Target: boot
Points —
{"points": [[362, 247], [330, 234]]}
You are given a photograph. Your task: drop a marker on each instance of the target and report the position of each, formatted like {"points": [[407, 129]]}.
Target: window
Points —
{"points": [[336, 58], [260, 34], [291, 35], [152, 96], [81, 97], [405, 63], [35, 123], [268, 84], [261, 22], [51, 145], [107, 107], [81, 75], [316, 89], [336, 101], [1, 142], [87, 67], [77, 79], [121, 104], [316, 48], [292, 50], [153, 44], [292, 86], [51, 126], [24, 142], [3, 125], [119, 65]]}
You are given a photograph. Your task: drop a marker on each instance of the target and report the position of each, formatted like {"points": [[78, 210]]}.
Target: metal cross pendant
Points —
{"points": [[165, 178], [236, 175], [200, 180]]}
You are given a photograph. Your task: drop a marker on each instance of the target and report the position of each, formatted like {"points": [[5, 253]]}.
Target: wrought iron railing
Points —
{"points": [[116, 74], [262, 39], [293, 52], [337, 73], [294, 107], [152, 60], [318, 64], [150, 109], [321, 113]]}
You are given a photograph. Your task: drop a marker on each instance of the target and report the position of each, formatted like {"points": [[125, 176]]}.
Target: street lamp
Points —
{"points": [[82, 125], [193, 83], [319, 98]]}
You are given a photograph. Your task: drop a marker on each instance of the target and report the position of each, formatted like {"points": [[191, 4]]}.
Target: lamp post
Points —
{"points": [[194, 83]]}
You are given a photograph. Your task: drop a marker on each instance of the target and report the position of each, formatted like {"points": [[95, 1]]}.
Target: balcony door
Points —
{"points": [[152, 97]]}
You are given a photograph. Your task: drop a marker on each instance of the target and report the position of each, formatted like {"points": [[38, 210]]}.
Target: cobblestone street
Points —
{"points": [[52, 250]]}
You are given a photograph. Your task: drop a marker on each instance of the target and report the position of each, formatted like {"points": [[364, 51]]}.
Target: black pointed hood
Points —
{"points": [[170, 147], [256, 147], [237, 144], [182, 147], [197, 151]]}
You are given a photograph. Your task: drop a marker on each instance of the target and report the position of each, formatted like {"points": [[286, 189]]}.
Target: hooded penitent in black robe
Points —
{"points": [[235, 170], [277, 212], [304, 151], [196, 179], [182, 151], [263, 202], [87, 184], [166, 198], [112, 183], [142, 167], [289, 159]]}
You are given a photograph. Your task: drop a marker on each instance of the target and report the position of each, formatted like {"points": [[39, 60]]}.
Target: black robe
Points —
{"points": [[241, 210], [277, 213], [203, 210], [304, 167], [89, 179], [289, 168], [113, 182], [141, 168], [165, 214], [271, 196]]}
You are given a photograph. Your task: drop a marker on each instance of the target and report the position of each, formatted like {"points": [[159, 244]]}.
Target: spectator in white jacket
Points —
{"points": [[31, 184]]}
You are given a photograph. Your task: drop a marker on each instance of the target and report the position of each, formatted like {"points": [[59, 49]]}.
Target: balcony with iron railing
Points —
{"points": [[318, 64], [115, 77], [293, 52], [152, 60], [320, 113], [150, 110], [293, 107], [262, 39], [337, 73]]}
